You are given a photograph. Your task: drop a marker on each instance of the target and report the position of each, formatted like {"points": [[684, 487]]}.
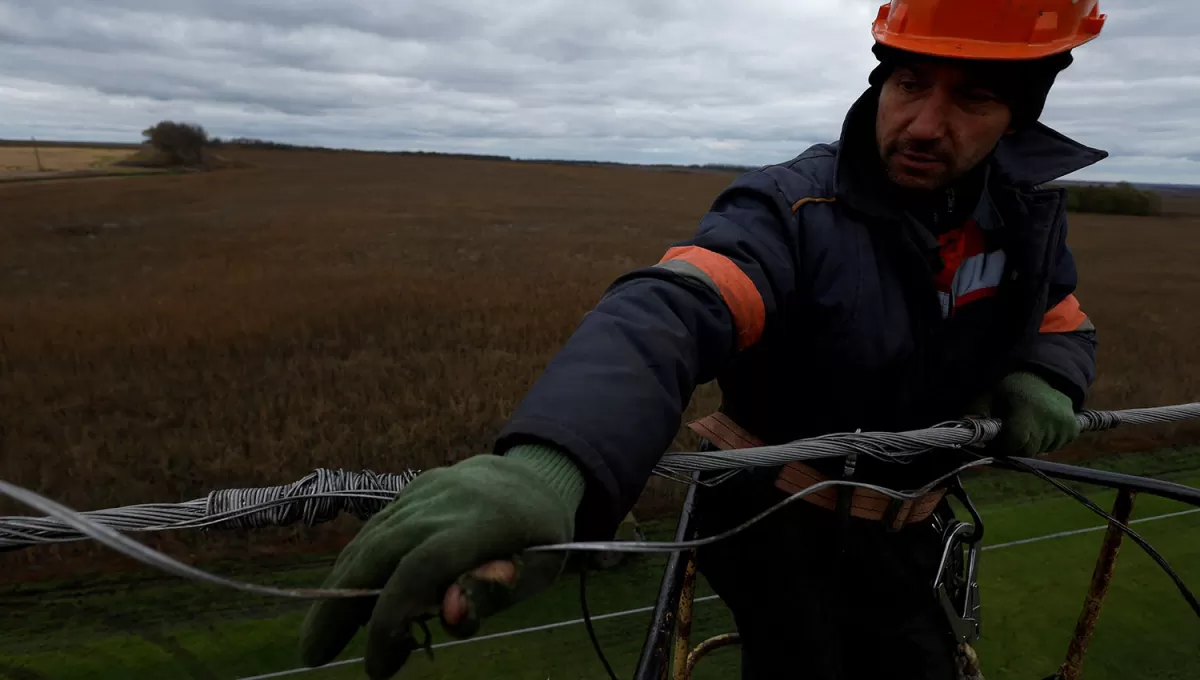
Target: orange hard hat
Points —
{"points": [[988, 29]]}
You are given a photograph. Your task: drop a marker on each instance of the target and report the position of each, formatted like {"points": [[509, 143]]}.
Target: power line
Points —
{"points": [[957, 434], [323, 494], [316, 498]]}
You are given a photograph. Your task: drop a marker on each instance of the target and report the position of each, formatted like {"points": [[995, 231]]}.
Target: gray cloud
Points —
{"points": [[746, 81]]}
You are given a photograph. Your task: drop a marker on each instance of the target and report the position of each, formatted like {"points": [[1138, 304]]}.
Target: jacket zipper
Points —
{"points": [[954, 280]]}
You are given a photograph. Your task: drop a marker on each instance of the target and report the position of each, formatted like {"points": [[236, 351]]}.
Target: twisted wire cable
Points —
{"points": [[317, 498], [899, 446], [322, 494], [146, 555]]}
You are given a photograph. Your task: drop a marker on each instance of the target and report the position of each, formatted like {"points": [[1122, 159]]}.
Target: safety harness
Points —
{"points": [[955, 585], [725, 434]]}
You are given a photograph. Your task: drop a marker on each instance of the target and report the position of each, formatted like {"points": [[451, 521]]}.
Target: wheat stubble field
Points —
{"points": [[161, 337], [22, 162]]}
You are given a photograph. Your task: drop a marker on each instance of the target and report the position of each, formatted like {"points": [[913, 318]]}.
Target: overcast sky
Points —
{"points": [[677, 81]]}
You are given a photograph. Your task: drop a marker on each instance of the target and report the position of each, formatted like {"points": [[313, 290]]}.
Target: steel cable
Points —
{"points": [[317, 498], [321, 495], [896, 446], [131, 548]]}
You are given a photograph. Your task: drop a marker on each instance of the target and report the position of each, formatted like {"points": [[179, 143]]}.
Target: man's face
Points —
{"points": [[935, 123]]}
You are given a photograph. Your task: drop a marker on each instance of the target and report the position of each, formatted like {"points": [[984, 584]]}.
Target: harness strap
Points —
{"points": [[867, 504]]}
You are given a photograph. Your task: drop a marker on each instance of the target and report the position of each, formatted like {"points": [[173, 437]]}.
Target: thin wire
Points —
{"points": [[587, 622], [1143, 543], [677, 546]]}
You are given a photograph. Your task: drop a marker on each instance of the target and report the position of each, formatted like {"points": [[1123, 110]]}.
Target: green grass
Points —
{"points": [[162, 628]]}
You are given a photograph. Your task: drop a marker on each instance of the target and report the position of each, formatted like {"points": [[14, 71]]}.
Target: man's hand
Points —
{"points": [[1036, 418], [450, 542]]}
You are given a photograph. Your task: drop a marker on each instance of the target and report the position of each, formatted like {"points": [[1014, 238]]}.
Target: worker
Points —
{"points": [[912, 272]]}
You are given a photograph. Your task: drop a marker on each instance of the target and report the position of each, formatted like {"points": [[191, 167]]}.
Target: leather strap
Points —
{"points": [[725, 434]]}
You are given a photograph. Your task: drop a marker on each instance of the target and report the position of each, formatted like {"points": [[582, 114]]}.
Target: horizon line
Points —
{"points": [[286, 146]]}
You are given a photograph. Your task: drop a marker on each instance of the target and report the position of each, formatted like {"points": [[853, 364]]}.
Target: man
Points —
{"points": [[910, 273]]}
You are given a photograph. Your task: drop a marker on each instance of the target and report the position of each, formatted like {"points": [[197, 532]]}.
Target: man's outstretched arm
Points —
{"points": [[579, 448], [613, 397]]}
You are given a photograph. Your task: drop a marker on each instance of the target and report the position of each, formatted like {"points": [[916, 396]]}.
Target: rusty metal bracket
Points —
{"points": [[655, 660], [686, 657], [684, 617], [703, 649], [1101, 578], [671, 625]]}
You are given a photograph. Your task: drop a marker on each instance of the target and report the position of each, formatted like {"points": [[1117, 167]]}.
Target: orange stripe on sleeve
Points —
{"points": [[737, 290], [1064, 317]]}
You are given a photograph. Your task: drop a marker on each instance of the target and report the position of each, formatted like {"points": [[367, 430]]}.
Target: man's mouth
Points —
{"points": [[919, 161]]}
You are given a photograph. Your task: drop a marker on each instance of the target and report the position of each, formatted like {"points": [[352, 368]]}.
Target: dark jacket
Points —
{"points": [[805, 295]]}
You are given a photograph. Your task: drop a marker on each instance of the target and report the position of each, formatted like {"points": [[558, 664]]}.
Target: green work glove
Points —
{"points": [[1036, 418], [449, 542]]}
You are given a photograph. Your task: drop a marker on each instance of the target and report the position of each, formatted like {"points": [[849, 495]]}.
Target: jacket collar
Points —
{"points": [[1023, 160], [1040, 154]]}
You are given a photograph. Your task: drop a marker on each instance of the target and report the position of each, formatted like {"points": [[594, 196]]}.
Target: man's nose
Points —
{"points": [[930, 120]]}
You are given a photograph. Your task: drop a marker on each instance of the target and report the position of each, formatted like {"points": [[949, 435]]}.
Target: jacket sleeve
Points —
{"points": [[1064, 350], [613, 397]]}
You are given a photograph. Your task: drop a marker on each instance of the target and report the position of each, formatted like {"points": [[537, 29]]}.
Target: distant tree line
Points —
{"points": [[724, 167], [184, 143], [180, 143], [255, 143], [266, 144], [1121, 198]]}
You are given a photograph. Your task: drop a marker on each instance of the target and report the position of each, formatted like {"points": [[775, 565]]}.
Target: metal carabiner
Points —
{"points": [[956, 586]]}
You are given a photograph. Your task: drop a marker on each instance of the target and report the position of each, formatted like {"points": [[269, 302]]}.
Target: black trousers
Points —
{"points": [[813, 602]]}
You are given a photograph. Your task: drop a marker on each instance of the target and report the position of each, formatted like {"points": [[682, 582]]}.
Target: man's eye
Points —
{"points": [[909, 85]]}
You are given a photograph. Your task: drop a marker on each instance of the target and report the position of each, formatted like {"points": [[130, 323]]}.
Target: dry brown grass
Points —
{"points": [[21, 161], [161, 337]]}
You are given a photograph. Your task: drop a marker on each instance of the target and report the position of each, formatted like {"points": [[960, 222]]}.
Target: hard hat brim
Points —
{"points": [[977, 49]]}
